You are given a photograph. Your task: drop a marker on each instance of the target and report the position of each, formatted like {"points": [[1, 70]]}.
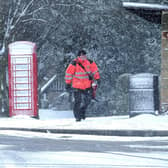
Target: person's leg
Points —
{"points": [[77, 103], [87, 96]]}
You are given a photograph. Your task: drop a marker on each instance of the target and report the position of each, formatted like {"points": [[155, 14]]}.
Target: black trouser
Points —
{"points": [[82, 100]]}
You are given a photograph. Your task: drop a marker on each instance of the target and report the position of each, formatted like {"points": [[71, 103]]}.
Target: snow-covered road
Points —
{"points": [[130, 152]]}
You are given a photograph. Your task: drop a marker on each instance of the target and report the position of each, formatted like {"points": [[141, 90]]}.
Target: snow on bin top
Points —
{"points": [[21, 48], [141, 80]]}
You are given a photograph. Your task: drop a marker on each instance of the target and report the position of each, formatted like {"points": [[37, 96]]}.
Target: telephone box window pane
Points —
{"points": [[23, 80], [22, 86], [22, 99], [22, 106], [21, 60], [21, 73], [22, 67], [22, 93]]}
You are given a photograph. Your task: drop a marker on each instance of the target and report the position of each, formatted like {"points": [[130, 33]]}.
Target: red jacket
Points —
{"points": [[78, 77]]}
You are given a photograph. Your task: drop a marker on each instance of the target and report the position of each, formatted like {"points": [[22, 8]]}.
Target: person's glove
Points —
{"points": [[68, 87], [98, 82]]}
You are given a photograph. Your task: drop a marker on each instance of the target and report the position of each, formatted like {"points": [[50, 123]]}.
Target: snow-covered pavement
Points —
{"points": [[50, 119]]}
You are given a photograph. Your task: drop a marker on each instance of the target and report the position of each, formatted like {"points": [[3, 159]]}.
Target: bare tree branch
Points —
{"points": [[23, 13], [37, 10], [34, 19]]}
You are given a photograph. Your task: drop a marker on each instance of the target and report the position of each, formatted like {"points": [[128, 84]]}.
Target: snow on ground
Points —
{"points": [[83, 159], [91, 159], [75, 159], [51, 119]]}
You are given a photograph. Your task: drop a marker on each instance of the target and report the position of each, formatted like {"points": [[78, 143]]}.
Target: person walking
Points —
{"points": [[81, 74]]}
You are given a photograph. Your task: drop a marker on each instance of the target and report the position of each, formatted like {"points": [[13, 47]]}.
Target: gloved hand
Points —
{"points": [[98, 81], [68, 87]]}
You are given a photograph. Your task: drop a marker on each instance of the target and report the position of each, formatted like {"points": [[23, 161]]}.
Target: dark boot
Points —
{"points": [[82, 113], [78, 119]]}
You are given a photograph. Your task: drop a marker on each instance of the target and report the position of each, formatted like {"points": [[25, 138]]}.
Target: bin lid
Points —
{"points": [[141, 81]]}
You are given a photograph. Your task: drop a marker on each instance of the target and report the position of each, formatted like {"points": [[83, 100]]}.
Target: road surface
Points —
{"points": [[28, 149]]}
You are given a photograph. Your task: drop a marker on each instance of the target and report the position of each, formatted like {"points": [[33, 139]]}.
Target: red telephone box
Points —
{"points": [[22, 72]]}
